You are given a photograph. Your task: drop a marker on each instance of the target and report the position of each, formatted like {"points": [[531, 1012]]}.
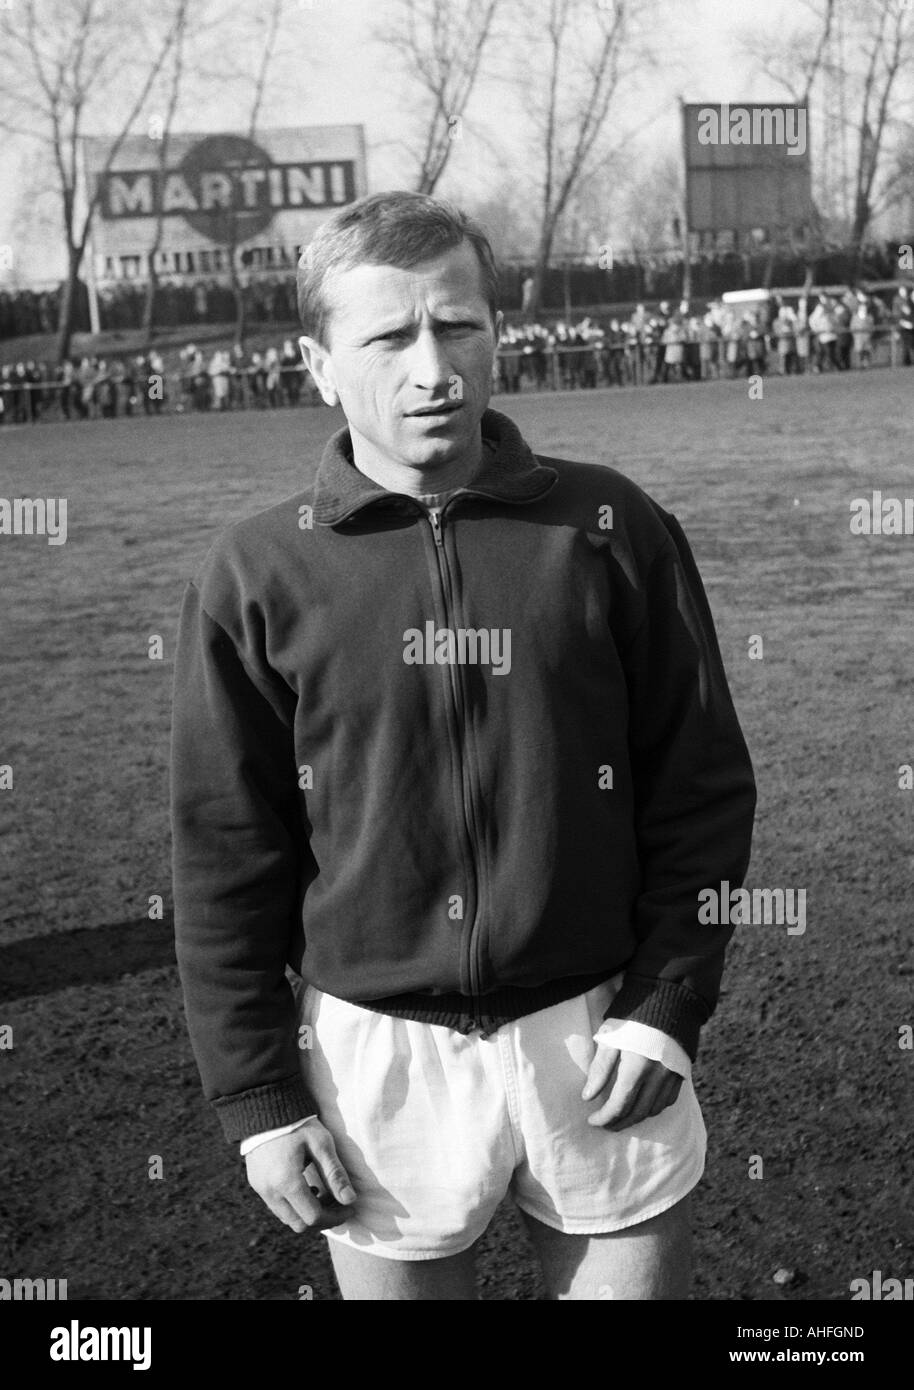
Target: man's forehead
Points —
{"points": [[452, 277]]}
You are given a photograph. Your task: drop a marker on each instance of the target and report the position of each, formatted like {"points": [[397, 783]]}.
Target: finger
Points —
{"points": [[623, 1095], [326, 1159], [302, 1202], [653, 1085], [602, 1068], [668, 1096], [284, 1212]]}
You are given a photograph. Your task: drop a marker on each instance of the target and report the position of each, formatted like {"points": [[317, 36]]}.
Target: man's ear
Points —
{"points": [[317, 359]]}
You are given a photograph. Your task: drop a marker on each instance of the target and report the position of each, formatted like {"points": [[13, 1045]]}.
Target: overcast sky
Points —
{"points": [[351, 79]]}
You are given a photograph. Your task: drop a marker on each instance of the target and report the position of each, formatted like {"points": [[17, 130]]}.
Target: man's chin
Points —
{"points": [[439, 447]]}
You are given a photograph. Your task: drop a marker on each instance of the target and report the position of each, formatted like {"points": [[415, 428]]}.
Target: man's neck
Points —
{"points": [[415, 482]]}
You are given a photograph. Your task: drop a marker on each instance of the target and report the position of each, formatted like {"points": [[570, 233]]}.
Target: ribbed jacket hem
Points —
{"points": [[487, 1012], [663, 1004], [265, 1107]]}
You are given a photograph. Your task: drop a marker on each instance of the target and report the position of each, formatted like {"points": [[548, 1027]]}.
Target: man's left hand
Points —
{"points": [[628, 1087]]}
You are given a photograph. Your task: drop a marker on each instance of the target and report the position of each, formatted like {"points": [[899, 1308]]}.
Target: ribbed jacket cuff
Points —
{"points": [[672, 1008], [265, 1107]]}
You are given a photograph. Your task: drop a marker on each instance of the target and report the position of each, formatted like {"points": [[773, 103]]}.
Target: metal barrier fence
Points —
{"points": [[169, 393], [640, 363], [531, 367]]}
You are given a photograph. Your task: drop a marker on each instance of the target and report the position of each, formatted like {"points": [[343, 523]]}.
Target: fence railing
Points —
{"points": [[547, 368], [640, 362]]}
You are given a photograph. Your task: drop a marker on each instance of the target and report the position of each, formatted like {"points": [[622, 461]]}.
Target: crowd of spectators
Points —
{"points": [[106, 387], [831, 333]]}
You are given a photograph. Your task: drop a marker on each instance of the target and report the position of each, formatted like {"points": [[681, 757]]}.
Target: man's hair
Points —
{"points": [[399, 229]]}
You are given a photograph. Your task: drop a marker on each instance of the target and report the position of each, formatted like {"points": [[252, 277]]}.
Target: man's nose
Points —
{"points": [[429, 366]]}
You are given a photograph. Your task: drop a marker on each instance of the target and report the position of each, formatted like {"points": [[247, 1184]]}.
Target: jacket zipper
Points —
{"points": [[435, 517]]}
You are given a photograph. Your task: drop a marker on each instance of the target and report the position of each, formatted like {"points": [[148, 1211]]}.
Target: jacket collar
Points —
{"points": [[510, 472]]}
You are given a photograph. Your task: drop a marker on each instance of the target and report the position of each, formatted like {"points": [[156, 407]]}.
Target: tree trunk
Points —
{"points": [[68, 305], [542, 265], [240, 316], [768, 274], [152, 285], [858, 231]]}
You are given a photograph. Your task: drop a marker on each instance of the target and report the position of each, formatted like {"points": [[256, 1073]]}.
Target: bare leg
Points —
{"points": [[652, 1260], [369, 1277]]}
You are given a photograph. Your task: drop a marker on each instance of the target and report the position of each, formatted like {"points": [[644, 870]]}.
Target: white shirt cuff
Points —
{"points": [[647, 1042], [253, 1140]]}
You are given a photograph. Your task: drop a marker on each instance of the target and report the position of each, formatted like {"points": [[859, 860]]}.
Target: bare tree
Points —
{"points": [[898, 190], [585, 45], [174, 91], [794, 60], [441, 45], [846, 59], [887, 49], [60, 66], [239, 278]]}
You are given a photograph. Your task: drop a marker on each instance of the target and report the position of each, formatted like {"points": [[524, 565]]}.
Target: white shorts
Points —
{"points": [[434, 1127]]}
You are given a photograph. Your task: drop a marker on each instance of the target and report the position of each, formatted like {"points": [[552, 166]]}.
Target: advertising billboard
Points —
{"points": [[217, 196], [747, 172]]}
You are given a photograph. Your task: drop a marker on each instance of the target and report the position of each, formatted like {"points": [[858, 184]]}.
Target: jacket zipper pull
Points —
{"points": [[434, 516]]}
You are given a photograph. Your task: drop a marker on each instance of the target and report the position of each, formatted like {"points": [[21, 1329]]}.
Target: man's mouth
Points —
{"points": [[443, 408]]}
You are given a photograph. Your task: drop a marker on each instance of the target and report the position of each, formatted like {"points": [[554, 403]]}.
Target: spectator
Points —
{"points": [[86, 375], [862, 324], [66, 378], [784, 328], [673, 338], [756, 357], [106, 389], [240, 386], [257, 380], [199, 379], [822, 328], [272, 376], [844, 341], [291, 366], [659, 324], [127, 370], [802, 336], [613, 354], [903, 313], [219, 373], [708, 335]]}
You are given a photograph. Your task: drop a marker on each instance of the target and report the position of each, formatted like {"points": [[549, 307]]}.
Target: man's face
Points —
{"points": [[409, 356]]}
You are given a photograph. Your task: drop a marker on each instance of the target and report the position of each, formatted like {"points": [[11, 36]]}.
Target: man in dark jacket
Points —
{"points": [[903, 314], [454, 757]]}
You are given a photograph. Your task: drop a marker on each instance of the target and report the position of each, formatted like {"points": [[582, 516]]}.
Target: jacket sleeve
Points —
{"points": [[239, 859], [694, 798]]}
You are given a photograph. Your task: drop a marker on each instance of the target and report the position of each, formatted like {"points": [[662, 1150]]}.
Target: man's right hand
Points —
{"points": [[276, 1173]]}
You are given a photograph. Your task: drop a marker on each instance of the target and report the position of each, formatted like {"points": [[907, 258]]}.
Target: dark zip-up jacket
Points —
{"points": [[457, 766]]}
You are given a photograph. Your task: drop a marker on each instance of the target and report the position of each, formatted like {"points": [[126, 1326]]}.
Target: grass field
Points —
{"points": [[801, 1065]]}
